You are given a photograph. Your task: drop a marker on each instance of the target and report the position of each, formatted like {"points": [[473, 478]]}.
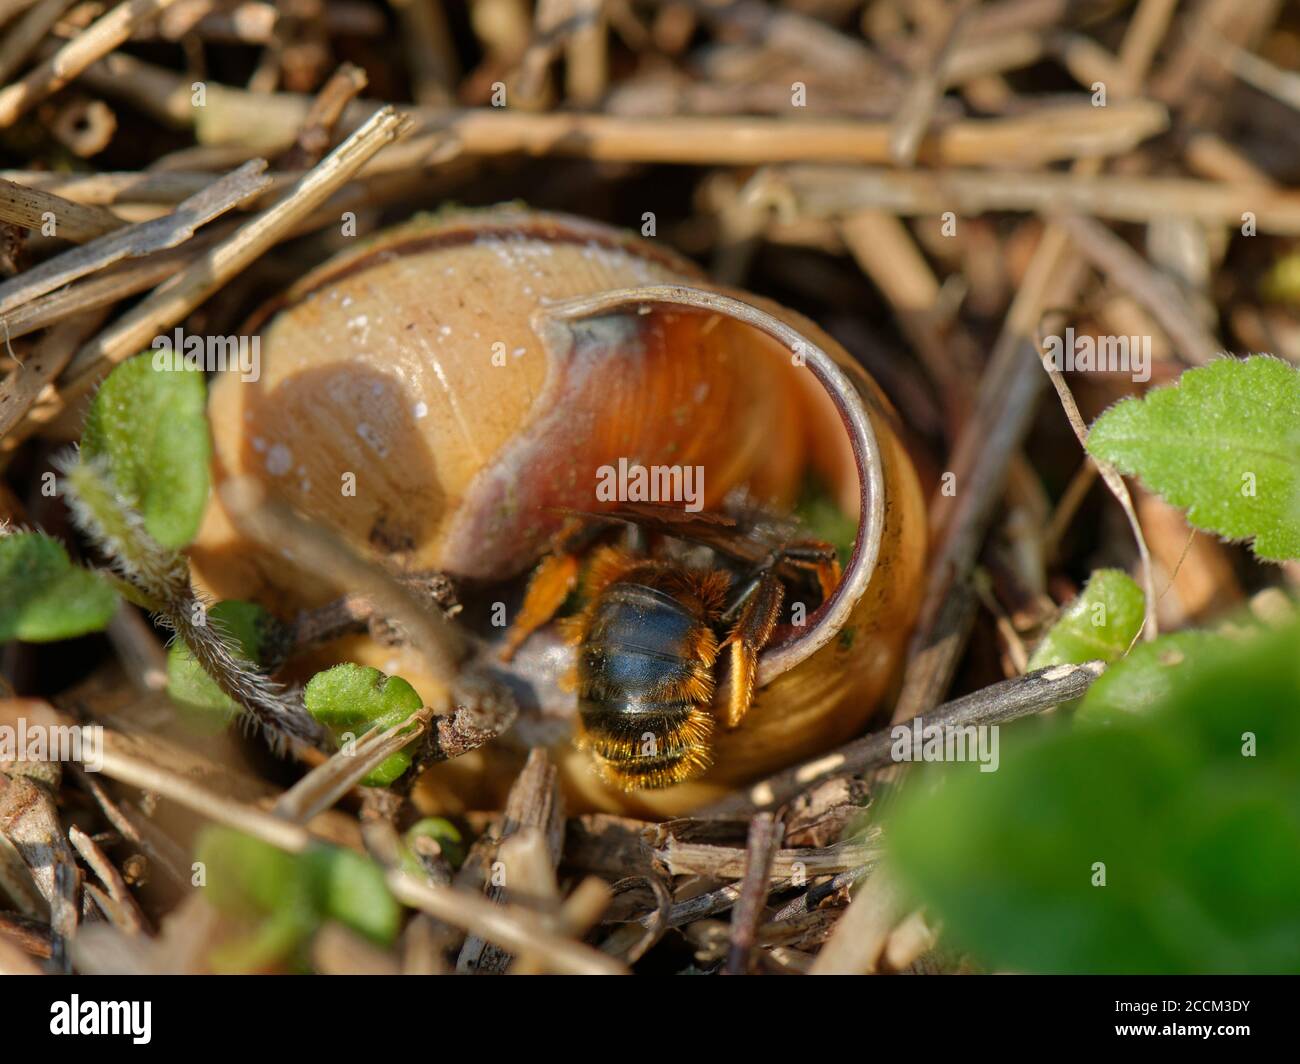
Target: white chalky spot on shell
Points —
{"points": [[279, 460], [367, 433], [421, 410], [360, 325]]}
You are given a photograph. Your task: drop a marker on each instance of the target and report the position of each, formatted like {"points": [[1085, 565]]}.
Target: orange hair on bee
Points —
{"points": [[703, 589], [621, 760]]}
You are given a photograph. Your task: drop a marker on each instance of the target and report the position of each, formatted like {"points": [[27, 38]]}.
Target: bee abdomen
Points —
{"points": [[639, 745], [644, 687]]}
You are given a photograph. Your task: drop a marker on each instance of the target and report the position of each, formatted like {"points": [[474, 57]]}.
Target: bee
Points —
{"points": [[654, 632]]}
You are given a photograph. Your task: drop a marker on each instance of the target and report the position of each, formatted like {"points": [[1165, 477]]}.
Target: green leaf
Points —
{"points": [[246, 625], [262, 888], [443, 832], [149, 424], [1191, 811], [43, 596], [1100, 624], [821, 515], [245, 876], [350, 888], [352, 699], [283, 898], [1223, 443], [1146, 677]]}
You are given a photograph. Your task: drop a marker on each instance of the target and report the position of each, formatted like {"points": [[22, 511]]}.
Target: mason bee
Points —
{"points": [[654, 631]]}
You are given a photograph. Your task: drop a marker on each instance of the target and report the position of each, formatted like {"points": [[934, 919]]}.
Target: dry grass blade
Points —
{"points": [[137, 240], [825, 192], [142, 657], [1080, 131], [94, 293], [132, 918], [11, 9], [126, 767], [862, 933], [729, 862], [1117, 488], [269, 123], [530, 870], [1258, 73], [33, 208], [20, 389], [94, 43], [347, 82], [917, 107], [16, 961], [162, 853], [176, 298], [765, 833], [1131, 273], [631, 941], [29, 935], [29, 821], [328, 782], [106, 188], [19, 887], [513, 929], [996, 704], [27, 34], [534, 805]]}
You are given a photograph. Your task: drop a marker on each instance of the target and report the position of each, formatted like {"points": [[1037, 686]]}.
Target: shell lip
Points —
{"points": [[833, 614], [459, 227]]}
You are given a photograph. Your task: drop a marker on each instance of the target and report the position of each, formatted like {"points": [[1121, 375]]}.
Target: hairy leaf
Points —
{"points": [[150, 426], [1147, 676], [1100, 624], [245, 626], [352, 699], [283, 898], [43, 596], [1223, 443], [350, 888], [1167, 842]]}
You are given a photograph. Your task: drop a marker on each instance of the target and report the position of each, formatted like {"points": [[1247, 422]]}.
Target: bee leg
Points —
{"points": [[551, 582], [817, 557], [550, 585], [756, 610]]}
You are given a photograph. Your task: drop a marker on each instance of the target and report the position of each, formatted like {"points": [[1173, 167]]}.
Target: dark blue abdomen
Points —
{"points": [[637, 646]]}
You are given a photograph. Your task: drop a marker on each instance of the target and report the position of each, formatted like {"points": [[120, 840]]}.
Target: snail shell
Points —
{"points": [[439, 393]]}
